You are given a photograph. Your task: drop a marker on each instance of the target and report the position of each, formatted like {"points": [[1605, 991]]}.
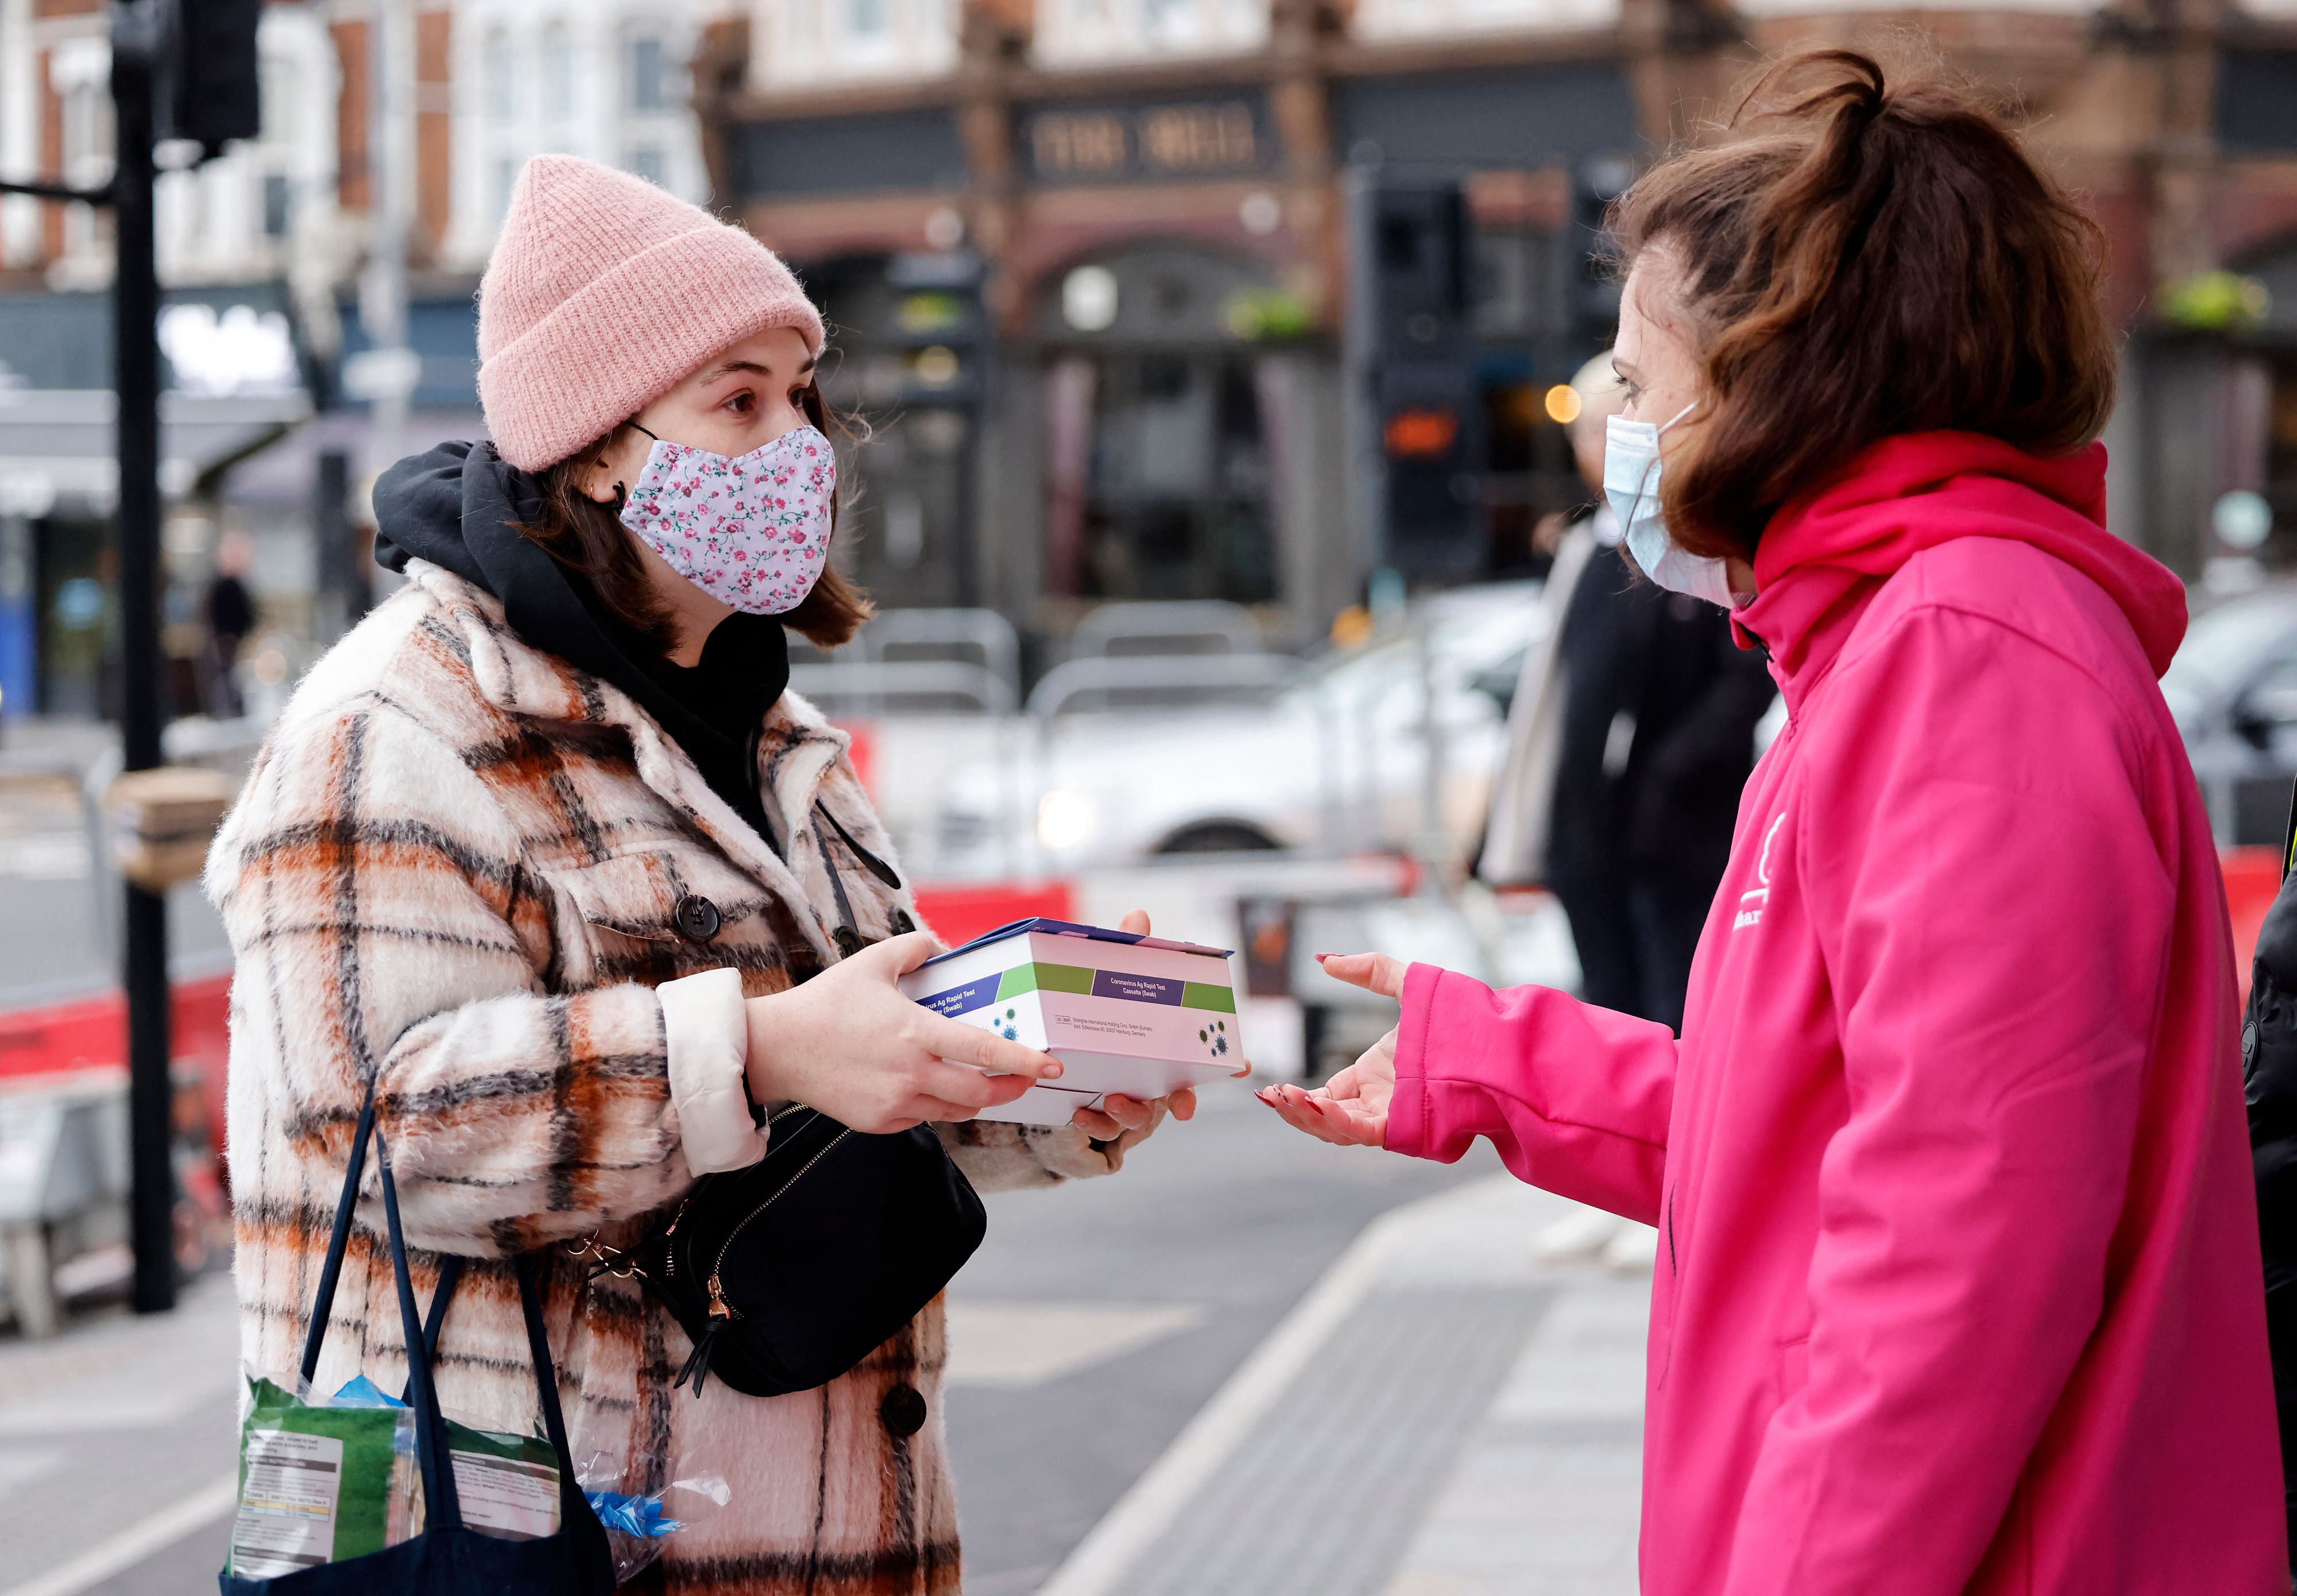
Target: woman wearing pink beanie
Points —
{"points": [[544, 856]]}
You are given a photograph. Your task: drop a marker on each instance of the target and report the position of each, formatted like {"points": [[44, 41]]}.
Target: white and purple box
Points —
{"points": [[1135, 1015]]}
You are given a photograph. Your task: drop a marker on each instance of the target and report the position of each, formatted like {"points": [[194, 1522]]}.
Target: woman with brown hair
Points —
{"points": [[543, 857], [1957, 1284]]}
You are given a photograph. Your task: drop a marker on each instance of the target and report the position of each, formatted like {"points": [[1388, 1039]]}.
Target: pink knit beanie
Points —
{"points": [[603, 291]]}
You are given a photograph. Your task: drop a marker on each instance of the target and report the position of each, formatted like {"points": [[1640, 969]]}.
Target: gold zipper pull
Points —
{"points": [[718, 1308]]}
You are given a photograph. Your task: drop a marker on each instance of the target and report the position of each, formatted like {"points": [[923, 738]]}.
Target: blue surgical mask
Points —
{"points": [[1631, 485]]}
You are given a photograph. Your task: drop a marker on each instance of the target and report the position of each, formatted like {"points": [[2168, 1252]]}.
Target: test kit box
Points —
{"points": [[1135, 1014]]}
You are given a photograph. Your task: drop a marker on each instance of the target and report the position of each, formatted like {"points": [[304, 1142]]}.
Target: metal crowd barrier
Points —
{"points": [[890, 686], [1139, 674], [1186, 621]]}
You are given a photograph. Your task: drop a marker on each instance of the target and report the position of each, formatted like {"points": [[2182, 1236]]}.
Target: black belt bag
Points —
{"points": [[788, 1274]]}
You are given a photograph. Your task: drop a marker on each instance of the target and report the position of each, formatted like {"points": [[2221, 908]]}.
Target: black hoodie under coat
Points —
{"points": [[460, 506]]}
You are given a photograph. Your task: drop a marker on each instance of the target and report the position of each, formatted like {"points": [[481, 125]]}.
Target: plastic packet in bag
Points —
{"points": [[636, 1523], [319, 1481], [507, 1483]]}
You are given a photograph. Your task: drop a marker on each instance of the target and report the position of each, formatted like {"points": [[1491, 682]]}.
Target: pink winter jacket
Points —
{"points": [[1958, 1285]]}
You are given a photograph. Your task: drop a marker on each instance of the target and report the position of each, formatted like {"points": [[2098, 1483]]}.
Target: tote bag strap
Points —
{"points": [[434, 1316], [593, 1566], [538, 1339], [324, 1304], [443, 1503], [442, 1506], [546, 1372]]}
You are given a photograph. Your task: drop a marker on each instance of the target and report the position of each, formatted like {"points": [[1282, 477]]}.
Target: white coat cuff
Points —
{"points": [[707, 1036]]}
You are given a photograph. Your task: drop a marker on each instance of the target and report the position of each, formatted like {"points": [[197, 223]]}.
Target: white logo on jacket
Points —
{"points": [[1751, 900]]}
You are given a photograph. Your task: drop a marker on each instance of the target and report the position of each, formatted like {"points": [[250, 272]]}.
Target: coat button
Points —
{"points": [[903, 1411], [848, 941], [697, 918], [902, 924]]}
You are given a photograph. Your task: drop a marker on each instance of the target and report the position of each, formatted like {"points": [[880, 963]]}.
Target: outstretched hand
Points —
{"points": [[1351, 1109]]}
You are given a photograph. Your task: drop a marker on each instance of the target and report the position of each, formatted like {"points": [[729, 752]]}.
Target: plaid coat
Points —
{"points": [[454, 868]]}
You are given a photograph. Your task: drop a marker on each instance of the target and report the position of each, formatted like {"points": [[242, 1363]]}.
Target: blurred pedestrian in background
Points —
{"points": [[1957, 1287], [1628, 741], [230, 614]]}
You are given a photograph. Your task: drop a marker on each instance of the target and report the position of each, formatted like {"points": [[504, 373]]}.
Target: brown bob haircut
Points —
{"points": [[589, 540], [1869, 258]]}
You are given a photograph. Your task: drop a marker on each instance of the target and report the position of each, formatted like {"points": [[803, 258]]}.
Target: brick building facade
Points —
{"points": [[1097, 248]]}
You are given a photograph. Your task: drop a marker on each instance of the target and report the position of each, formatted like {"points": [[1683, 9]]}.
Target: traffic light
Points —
{"points": [[1420, 249], [1413, 261], [216, 93]]}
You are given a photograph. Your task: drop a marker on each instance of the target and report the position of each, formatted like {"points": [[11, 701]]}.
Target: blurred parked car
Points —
{"points": [[2233, 688], [1336, 757]]}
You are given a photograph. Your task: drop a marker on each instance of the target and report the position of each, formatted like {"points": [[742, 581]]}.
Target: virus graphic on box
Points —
{"points": [[1216, 1039], [1005, 1027]]}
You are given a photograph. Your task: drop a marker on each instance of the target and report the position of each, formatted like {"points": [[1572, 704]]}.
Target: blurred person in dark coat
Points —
{"points": [[230, 614], [1632, 731]]}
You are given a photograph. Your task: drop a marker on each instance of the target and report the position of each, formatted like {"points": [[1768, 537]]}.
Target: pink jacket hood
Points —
{"points": [[1827, 548], [1958, 1287]]}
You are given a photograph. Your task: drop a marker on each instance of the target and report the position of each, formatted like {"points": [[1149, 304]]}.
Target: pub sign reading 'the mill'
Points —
{"points": [[1148, 140]]}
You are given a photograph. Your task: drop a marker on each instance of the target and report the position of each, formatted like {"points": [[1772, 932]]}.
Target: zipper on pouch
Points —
{"points": [[723, 1313], [717, 1307]]}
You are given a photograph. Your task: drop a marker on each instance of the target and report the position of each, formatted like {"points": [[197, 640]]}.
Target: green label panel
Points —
{"points": [[1078, 979], [1043, 978], [1197, 994]]}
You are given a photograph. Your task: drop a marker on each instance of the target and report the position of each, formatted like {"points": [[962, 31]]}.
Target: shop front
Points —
{"points": [[237, 377], [1160, 427]]}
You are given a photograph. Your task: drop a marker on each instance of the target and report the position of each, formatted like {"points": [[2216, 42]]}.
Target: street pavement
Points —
{"points": [[1248, 1363]]}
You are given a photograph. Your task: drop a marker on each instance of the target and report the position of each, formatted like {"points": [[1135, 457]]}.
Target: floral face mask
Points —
{"points": [[750, 531]]}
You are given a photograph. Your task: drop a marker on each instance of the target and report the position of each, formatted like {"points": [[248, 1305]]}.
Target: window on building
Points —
{"points": [[1376, 20], [1165, 17], [278, 205], [1080, 31], [558, 76], [810, 43], [502, 79], [646, 161], [648, 65], [80, 74], [506, 180]]}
